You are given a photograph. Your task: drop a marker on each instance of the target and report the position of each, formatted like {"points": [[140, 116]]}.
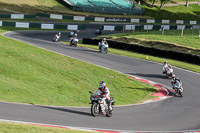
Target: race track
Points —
{"points": [[173, 114]]}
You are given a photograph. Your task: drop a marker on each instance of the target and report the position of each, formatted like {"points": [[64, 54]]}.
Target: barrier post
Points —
{"points": [[182, 31], [163, 30]]}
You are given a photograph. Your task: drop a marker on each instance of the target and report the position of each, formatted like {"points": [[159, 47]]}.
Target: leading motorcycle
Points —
{"points": [[103, 48], [96, 108], [73, 42], [169, 72]]}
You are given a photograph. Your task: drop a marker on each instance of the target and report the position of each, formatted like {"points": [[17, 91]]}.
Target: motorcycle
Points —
{"points": [[169, 72], [72, 33], [56, 38], [98, 32], [96, 108], [73, 42], [178, 89], [103, 48]]}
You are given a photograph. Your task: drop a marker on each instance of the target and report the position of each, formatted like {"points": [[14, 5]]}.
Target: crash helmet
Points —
{"points": [[173, 77], [165, 62], [104, 39], [75, 35], [102, 84], [59, 33]]}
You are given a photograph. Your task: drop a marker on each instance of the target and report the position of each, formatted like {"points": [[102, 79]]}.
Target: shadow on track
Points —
{"points": [[83, 50], [66, 110], [144, 89], [149, 75]]}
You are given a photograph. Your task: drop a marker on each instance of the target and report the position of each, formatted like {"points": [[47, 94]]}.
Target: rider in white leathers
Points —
{"points": [[103, 42], [104, 91], [73, 39], [165, 66]]}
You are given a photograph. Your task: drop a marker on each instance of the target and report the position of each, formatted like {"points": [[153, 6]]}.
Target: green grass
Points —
{"points": [[33, 75], [8, 127], [174, 12], [189, 42], [180, 64]]}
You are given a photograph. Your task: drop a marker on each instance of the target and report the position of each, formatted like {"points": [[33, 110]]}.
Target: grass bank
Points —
{"points": [[8, 127], [33, 75], [174, 12]]}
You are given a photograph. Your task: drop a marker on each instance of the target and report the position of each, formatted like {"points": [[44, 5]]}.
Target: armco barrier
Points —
{"points": [[191, 58], [10, 24], [100, 19], [58, 26], [5, 16], [35, 25], [135, 27], [29, 16], [43, 15]]}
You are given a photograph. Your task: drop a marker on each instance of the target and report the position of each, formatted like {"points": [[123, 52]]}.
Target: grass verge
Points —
{"points": [[8, 127], [180, 64], [33, 75], [174, 12], [190, 38]]}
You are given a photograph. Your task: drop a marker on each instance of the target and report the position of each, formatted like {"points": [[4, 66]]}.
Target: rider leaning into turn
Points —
{"points": [[103, 42], [175, 80], [103, 91], [166, 65], [59, 34]]}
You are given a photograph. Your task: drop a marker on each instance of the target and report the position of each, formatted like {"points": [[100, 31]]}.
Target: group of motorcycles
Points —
{"points": [[177, 86], [73, 40], [96, 100]]}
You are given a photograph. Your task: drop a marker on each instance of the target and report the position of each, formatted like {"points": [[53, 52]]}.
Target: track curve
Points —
{"points": [[174, 114]]}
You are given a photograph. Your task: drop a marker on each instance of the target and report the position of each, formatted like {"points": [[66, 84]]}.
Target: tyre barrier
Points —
{"points": [[181, 56]]}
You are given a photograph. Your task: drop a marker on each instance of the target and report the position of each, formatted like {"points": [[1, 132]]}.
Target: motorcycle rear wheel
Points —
{"points": [[95, 110]]}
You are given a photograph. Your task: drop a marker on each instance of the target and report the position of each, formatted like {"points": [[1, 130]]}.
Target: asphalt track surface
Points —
{"points": [[173, 114]]}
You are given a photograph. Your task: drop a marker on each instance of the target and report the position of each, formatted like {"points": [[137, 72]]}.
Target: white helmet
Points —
{"points": [[75, 35], [59, 33], [104, 39]]}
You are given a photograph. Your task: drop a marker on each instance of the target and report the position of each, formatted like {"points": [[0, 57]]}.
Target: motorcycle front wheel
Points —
{"points": [[104, 50], [180, 93], [95, 109]]}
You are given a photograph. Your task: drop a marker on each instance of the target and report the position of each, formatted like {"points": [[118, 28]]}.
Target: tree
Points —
{"points": [[153, 3], [162, 3], [186, 4]]}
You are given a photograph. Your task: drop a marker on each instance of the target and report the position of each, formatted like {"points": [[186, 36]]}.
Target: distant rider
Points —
{"points": [[72, 33], [165, 66], [103, 42], [100, 29], [103, 91], [175, 80], [58, 35], [73, 38]]}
